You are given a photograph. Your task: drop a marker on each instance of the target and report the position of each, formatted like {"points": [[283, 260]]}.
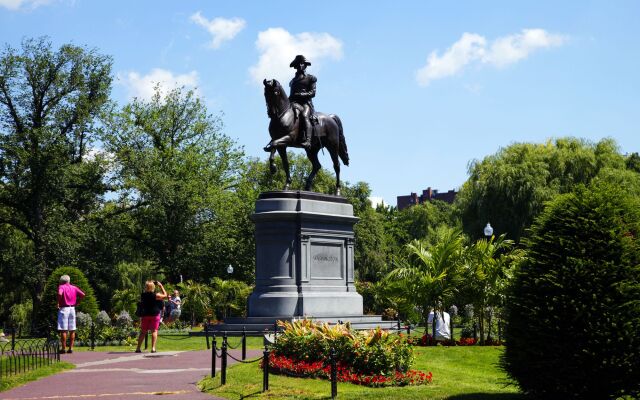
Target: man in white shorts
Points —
{"points": [[68, 297]]}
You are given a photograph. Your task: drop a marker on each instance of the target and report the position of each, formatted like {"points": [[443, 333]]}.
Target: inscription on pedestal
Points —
{"points": [[326, 260]]}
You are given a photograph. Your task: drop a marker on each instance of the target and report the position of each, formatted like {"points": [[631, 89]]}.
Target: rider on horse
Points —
{"points": [[303, 89]]}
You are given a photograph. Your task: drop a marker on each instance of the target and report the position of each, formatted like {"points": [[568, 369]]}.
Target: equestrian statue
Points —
{"points": [[294, 123]]}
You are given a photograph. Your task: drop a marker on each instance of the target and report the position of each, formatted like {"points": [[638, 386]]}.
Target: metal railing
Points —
{"points": [[18, 356], [223, 354]]}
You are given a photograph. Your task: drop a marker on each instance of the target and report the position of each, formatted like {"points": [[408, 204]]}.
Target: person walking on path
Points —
{"points": [[68, 297], [152, 304]]}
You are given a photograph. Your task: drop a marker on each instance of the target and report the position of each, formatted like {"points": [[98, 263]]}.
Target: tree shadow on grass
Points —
{"points": [[489, 396]]}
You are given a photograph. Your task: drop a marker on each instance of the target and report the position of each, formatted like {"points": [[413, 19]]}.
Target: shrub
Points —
{"points": [[123, 320], [573, 315], [83, 323], [46, 318], [372, 352], [103, 320]]}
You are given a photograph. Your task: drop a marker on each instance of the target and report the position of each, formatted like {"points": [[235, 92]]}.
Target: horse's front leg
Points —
{"points": [[282, 151], [315, 167], [272, 161]]}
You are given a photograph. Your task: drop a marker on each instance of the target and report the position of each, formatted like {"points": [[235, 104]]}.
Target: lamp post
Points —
{"points": [[488, 231], [229, 271]]}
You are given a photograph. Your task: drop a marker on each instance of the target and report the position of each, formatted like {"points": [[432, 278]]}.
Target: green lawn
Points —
{"points": [[178, 342], [12, 381], [462, 373]]}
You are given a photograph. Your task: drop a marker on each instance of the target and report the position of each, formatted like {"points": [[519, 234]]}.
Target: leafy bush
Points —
{"points": [[103, 320], [20, 315], [573, 315], [46, 317], [83, 323], [374, 352], [123, 320]]}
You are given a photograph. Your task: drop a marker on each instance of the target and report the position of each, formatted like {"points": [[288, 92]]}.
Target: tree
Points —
{"points": [[509, 189], [486, 274], [175, 173], [427, 279], [229, 296], [49, 100], [572, 313], [46, 315], [196, 300]]}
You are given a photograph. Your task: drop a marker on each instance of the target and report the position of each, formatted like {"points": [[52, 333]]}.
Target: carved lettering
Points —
{"points": [[326, 258]]}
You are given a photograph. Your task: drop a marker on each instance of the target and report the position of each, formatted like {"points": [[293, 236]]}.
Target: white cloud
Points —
{"points": [[473, 48], [221, 29], [17, 4], [143, 86], [278, 48], [510, 49], [470, 47]]}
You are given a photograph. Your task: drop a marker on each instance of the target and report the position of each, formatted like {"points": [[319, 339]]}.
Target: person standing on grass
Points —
{"points": [[175, 306], [152, 304], [68, 297]]}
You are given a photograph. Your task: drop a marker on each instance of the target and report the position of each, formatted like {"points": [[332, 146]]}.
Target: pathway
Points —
{"points": [[111, 376]]}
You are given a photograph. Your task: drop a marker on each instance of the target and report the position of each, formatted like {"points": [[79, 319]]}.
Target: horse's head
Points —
{"points": [[274, 94]]}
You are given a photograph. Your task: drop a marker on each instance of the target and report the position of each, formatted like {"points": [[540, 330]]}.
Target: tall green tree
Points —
{"points": [[509, 189], [176, 172], [487, 272], [429, 277], [49, 183]]}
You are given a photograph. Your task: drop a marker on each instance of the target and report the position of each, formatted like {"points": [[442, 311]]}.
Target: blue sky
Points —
{"points": [[422, 87]]}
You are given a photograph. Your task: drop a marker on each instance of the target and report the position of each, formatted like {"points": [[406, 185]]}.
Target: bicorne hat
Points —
{"points": [[299, 59]]}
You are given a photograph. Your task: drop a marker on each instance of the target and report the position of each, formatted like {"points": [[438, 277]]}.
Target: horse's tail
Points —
{"points": [[342, 147]]}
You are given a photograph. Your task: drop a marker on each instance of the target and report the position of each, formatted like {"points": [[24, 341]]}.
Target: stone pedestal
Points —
{"points": [[304, 257]]}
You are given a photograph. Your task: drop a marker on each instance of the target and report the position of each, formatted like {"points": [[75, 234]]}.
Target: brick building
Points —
{"points": [[427, 195]]}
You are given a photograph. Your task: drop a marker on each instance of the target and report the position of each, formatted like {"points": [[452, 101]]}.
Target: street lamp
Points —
{"points": [[230, 269], [488, 231]]}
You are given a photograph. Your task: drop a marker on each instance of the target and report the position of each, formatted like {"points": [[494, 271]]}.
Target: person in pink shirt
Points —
{"points": [[68, 297]]}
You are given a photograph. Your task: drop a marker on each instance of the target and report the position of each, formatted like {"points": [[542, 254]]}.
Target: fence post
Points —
{"points": [[265, 369], [206, 334], [275, 332], [146, 340], [433, 328], [408, 328], [93, 335], [223, 374], [475, 331], [244, 343], [213, 356], [13, 338], [334, 374], [499, 330], [399, 327]]}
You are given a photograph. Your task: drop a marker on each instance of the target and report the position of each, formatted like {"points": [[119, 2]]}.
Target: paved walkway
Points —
{"points": [[128, 375]]}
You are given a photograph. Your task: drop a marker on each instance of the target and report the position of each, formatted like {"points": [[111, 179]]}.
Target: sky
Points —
{"points": [[422, 87]]}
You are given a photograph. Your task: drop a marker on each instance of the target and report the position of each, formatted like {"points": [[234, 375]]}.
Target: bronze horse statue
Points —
{"points": [[284, 129]]}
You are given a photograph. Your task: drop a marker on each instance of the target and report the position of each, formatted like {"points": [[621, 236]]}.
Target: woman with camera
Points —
{"points": [[152, 304]]}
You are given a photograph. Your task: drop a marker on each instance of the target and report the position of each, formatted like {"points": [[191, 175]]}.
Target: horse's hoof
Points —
{"points": [[273, 169], [267, 149]]}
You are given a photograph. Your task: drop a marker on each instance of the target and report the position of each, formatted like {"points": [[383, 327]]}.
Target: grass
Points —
{"points": [[179, 342], [12, 381], [459, 373]]}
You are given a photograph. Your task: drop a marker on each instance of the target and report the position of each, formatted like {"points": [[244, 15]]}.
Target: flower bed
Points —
{"points": [[372, 358], [427, 340], [319, 369]]}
